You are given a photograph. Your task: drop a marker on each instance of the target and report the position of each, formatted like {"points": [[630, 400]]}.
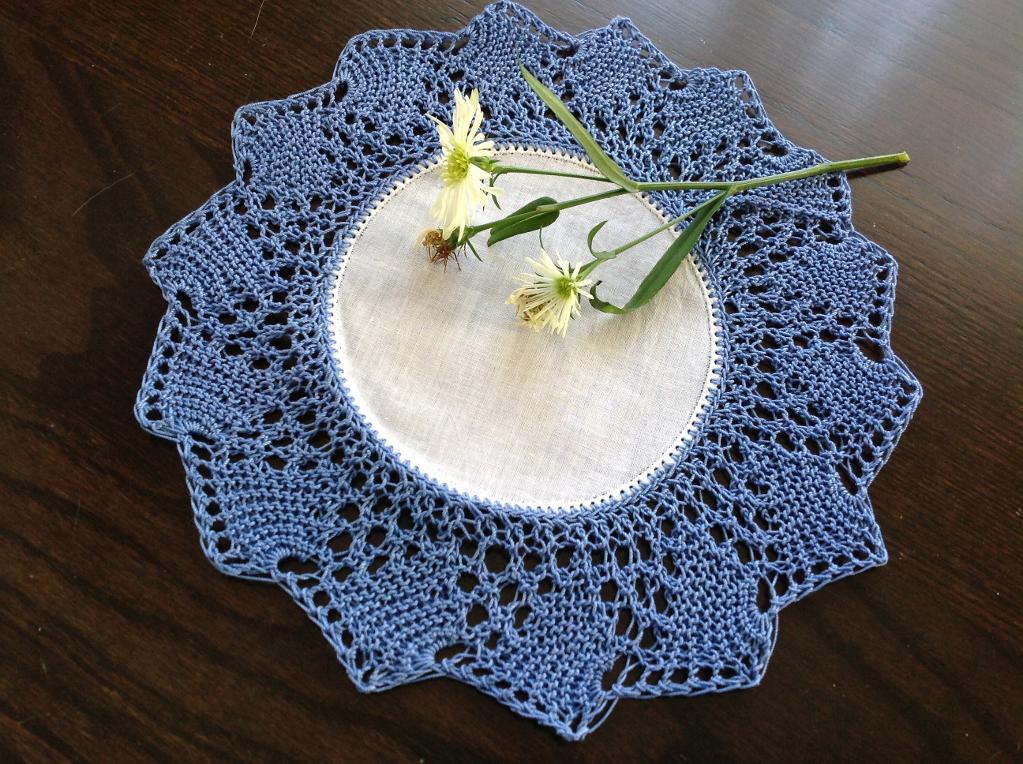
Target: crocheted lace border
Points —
{"points": [[672, 589]]}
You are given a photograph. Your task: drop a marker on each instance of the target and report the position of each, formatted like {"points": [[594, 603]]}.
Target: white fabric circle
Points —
{"points": [[440, 368]]}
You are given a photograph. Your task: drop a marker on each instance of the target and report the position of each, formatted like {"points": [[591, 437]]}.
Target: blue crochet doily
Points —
{"points": [[673, 589]]}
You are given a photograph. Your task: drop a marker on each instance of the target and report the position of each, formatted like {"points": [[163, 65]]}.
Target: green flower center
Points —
{"points": [[457, 165], [565, 287]]}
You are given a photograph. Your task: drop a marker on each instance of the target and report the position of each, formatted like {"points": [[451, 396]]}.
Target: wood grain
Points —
{"points": [[121, 643]]}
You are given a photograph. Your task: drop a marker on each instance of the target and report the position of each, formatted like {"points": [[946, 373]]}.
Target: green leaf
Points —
{"points": [[605, 164], [602, 306], [669, 262], [513, 224], [598, 255], [471, 247], [593, 233]]}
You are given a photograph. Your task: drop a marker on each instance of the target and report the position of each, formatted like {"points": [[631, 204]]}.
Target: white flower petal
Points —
{"points": [[550, 297], [466, 186]]}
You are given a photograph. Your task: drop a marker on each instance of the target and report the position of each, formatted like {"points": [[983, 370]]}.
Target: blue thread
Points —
{"points": [[674, 588]]}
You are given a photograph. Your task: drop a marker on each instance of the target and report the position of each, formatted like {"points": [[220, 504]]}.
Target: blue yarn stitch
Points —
{"points": [[673, 589]]}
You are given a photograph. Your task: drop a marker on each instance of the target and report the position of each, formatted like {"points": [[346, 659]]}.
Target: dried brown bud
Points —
{"points": [[439, 249]]}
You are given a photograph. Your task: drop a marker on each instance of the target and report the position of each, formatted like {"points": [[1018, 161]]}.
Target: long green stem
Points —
{"points": [[503, 169], [544, 208], [845, 165], [670, 224], [613, 253], [579, 201], [735, 187]]}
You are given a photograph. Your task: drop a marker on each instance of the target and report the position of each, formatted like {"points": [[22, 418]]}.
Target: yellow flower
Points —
{"points": [[549, 298], [466, 185]]}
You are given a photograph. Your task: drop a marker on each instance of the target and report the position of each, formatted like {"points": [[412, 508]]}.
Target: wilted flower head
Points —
{"points": [[438, 249], [549, 297]]}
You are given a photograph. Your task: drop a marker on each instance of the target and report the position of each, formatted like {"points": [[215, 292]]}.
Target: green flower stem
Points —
{"points": [[735, 187], [543, 208], [503, 169], [587, 269], [845, 165], [580, 200], [670, 224]]}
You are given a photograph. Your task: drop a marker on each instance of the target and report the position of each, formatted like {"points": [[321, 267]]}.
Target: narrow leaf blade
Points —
{"points": [[589, 242], [610, 169], [669, 262], [516, 225], [604, 307]]}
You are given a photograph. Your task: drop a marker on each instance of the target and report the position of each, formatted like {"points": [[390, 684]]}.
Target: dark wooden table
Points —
{"points": [[119, 642]]}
